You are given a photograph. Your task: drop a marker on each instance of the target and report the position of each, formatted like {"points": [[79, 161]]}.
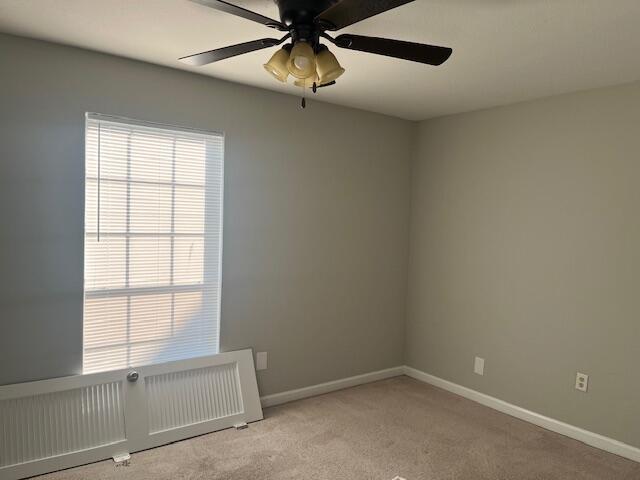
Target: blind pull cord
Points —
{"points": [[98, 199]]}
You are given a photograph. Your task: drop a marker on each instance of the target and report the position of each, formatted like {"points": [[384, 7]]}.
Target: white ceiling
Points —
{"points": [[504, 50]]}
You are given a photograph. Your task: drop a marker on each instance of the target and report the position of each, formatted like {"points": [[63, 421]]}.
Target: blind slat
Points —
{"points": [[153, 243]]}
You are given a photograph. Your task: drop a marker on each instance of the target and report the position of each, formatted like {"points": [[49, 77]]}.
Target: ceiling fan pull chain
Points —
{"points": [[304, 98]]}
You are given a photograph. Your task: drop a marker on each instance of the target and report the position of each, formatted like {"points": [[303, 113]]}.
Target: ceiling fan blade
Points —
{"points": [[218, 54], [348, 12], [415, 52], [242, 12]]}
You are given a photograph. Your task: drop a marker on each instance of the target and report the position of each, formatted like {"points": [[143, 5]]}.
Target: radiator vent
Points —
{"points": [[193, 396], [51, 424], [58, 423]]}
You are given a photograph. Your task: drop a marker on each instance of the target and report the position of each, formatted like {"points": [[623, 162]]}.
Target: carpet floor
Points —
{"points": [[376, 431]]}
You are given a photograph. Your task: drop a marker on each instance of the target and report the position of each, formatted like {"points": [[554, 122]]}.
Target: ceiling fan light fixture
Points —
{"points": [[302, 61], [277, 64], [329, 69]]}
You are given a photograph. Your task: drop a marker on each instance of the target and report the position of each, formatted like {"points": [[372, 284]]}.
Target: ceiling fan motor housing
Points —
{"points": [[299, 16], [294, 12]]}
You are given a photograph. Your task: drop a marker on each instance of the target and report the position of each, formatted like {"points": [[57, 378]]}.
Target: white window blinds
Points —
{"points": [[153, 243]]}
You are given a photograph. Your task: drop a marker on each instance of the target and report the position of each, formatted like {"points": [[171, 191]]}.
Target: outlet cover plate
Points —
{"points": [[261, 361], [478, 366], [582, 382]]}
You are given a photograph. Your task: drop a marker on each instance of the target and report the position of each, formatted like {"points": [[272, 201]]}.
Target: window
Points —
{"points": [[153, 243]]}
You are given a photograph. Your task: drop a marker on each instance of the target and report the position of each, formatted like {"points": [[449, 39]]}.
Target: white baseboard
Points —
{"points": [[313, 390], [595, 440]]}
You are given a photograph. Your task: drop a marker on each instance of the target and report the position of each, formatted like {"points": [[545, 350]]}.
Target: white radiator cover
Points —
{"points": [[51, 424], [63, 422], [192, 396]]}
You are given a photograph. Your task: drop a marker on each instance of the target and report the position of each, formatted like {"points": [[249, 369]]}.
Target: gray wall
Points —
{"points": [[316, 214], [525, 233], [525, 250]]}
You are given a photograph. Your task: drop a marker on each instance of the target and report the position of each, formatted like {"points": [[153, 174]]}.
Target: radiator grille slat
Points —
{"points": [[184, 398], [50, 424]]}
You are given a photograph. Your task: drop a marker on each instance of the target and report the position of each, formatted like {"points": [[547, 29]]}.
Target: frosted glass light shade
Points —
{"points": [[328, 67], [277, 65], [307, 82], [302, 61]]}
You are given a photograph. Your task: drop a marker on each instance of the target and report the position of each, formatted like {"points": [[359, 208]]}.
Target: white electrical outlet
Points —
{"points": [[478, 366], [582, 382], [261, 361]]}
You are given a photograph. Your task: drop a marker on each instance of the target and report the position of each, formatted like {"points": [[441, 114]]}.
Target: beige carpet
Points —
{"points": [[375, 431]]}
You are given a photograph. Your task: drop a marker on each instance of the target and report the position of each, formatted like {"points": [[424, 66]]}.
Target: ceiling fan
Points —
{"points": [[306, 23]]}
